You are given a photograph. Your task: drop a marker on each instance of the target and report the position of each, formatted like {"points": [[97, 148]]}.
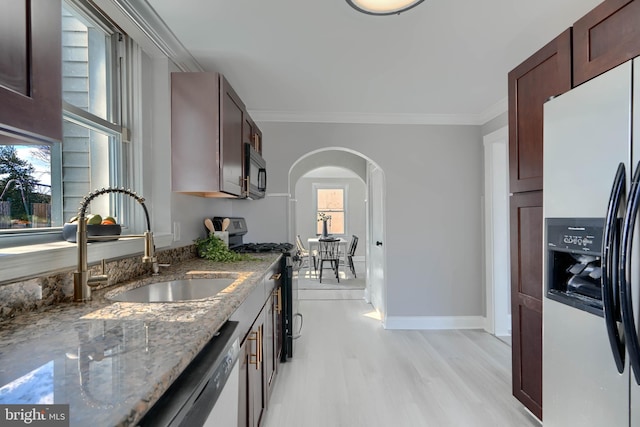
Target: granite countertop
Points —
{"points": [[110, 361]]}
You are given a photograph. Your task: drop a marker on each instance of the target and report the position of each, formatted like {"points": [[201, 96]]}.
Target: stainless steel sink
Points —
{"points": [[175, 290]]}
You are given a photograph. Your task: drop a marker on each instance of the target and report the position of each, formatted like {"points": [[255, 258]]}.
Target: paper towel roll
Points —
{"points": [[222, 235]]}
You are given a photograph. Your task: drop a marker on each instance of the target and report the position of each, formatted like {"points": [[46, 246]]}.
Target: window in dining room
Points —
{"points": [[331, 201]]}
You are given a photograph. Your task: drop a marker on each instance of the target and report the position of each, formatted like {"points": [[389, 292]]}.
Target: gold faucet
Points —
{"points": [[82, 279]]}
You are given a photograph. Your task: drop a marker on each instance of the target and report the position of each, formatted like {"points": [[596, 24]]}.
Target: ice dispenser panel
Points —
{"points": [[574, 249]]}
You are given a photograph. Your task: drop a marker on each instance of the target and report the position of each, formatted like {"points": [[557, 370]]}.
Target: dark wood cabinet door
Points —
{"points": [[270, 363], [526, 298], [273, 335], [605, 37], [256, 372], [546, 73], [31, 69], [244, 395], [231, 137], [195, 127]]}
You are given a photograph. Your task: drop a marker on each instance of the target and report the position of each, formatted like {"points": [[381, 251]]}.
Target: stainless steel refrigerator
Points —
{"points": [[591, 265]]}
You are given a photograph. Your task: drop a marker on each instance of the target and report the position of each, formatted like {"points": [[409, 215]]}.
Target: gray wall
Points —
{"points": [[433, 198], [433, 205]]}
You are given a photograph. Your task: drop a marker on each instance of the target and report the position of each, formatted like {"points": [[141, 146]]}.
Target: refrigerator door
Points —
{"points": [[586, 136]]}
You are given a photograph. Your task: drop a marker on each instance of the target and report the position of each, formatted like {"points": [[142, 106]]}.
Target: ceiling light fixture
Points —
{"points": [[383, 7]]}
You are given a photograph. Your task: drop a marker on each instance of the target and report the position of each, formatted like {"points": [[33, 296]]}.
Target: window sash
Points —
{"points": [[337, 210]]}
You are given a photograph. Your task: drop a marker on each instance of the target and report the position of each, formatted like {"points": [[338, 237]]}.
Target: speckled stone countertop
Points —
{"points": [[110, 361]]}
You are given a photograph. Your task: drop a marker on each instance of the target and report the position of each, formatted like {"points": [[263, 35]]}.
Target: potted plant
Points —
{"points": [[322, 216]]}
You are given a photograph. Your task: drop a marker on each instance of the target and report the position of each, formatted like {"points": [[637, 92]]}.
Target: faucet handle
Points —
{"points": [[149, 248]]}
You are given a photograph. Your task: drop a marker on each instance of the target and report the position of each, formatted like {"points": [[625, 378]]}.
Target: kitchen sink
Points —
{"points": [[175, 290]]}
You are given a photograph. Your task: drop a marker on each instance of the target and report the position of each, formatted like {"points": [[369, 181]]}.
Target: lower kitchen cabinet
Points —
{"points": [[251, 399], [260, 354], [526, 298]]}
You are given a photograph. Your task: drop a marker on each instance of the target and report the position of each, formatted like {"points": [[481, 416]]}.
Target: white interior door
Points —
{"points": [[498, 307], [376, 256]]}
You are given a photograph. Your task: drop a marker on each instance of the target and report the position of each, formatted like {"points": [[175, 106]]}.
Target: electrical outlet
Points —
{"points": [[176, 231]]}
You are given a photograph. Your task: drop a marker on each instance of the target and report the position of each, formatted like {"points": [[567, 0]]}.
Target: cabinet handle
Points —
{"points": [[278, 294], [261, 335], [254, 359], [244, 185], [276, 276]]}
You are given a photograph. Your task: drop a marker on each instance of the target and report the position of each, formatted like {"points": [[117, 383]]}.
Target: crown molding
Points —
{"points": [[363, 118], [386, 119], [143, 23], [495, 110]]}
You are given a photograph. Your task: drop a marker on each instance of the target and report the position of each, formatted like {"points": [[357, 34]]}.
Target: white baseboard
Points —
{"points": [[434, 322]]}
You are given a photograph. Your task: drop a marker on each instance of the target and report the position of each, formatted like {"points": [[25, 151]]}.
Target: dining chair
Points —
{"points": [[351, 252], [304, 253], [329, 251]]}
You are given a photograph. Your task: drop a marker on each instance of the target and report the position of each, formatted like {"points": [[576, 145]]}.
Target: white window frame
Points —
{"points": [[38, 252], [326, 186]]}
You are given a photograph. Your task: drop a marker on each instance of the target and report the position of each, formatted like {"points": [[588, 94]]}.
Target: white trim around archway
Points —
{"points": [[375, 291]]}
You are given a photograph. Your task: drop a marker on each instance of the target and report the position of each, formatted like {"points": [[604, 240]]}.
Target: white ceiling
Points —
{"points": [[302, 60]]}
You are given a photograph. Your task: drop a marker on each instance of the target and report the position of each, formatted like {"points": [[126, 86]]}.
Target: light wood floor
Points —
{"points": [[349, 371]]}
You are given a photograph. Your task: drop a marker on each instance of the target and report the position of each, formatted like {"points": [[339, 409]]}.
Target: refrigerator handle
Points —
{"points": [[609, 264], [610, 245], [626, 245]]}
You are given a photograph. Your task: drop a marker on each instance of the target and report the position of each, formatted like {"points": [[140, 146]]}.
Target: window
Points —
{"points": [[41, 186], [331, 201]]}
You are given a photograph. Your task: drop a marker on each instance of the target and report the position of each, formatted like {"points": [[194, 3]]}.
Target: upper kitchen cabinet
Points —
{"points": [[207, 118], [605, 38], [546, 73], [31, 69]]}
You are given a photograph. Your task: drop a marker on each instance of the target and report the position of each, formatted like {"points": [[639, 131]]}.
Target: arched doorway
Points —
{"points": [[374, 187]]}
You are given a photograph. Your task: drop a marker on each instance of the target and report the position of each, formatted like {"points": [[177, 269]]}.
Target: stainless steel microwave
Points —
{"points": [[255, 173]]}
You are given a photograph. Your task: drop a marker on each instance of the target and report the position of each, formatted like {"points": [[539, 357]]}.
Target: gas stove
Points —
{"points": [[263, 247], [238, 228]]}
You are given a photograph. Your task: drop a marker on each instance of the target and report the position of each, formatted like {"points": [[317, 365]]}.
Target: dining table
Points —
{"points": [[313, 243]]}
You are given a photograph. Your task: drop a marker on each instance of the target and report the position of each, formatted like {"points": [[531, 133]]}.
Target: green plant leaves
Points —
{"points": [[214, 249]]}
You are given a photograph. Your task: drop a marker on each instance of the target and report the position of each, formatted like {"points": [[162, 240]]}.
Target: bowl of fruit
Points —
{"points": [[96, 226]]}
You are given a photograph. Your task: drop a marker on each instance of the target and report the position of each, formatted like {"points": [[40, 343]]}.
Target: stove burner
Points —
{"points": [[263, 247]]}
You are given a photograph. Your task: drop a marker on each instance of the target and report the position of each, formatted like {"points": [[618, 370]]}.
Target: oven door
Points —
{"points": [[255, 173], [292, 322]]}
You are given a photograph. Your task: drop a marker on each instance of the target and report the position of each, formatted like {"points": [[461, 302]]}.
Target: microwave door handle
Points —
{"points": [[262, 172], [626, 303], [610, 245]]}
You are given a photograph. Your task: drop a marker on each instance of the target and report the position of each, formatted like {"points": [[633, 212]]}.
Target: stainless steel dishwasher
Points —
{"points": [[206, 393]]}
